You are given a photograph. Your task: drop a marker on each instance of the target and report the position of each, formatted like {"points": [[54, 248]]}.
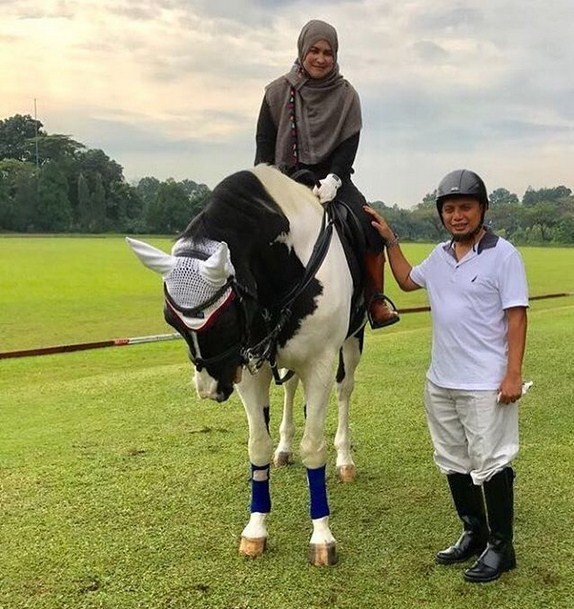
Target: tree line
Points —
{"points": [[50, 183]]}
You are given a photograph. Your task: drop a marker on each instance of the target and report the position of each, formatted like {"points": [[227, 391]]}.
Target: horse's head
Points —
{"points": [[203, 306]]}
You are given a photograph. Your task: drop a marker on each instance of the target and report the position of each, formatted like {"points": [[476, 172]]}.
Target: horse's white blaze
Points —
{"points": [[321, 532], [205, 385]]}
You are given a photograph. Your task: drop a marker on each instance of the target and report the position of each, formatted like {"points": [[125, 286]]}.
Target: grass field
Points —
{"points": [[119, 489]]}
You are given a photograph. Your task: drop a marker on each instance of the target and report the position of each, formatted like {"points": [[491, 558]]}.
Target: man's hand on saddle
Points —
{"points": [[327, 189], [380, 224]]}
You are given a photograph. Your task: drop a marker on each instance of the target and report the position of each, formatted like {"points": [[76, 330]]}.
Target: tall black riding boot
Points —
{"points": [[499, 554], [469, 505]]}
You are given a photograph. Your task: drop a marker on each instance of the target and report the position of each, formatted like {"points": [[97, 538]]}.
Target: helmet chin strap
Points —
{"points": [[470, 237]]}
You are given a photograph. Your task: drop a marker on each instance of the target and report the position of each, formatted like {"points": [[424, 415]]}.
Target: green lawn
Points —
{"points": [[67, 290], [119, 489]]}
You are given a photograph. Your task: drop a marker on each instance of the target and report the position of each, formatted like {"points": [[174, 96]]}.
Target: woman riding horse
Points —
{"points": [[310, 119]]}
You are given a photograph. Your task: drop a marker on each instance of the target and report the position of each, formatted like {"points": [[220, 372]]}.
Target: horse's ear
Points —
{"points": [[150, 256], [217, 268]]}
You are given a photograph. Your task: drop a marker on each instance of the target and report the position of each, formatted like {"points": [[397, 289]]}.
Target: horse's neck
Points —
{"points": [[277, 267]]}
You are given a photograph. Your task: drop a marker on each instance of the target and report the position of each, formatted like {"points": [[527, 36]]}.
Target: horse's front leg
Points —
{"points": [[284, 452], [349, 357], [254, 392], [317, 382]]}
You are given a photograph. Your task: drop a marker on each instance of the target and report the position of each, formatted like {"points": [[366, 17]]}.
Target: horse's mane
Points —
{"points": [[241, 210]]}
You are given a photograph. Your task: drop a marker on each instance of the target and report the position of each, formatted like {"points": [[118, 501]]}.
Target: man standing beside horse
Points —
{"points": [[478, 294]]}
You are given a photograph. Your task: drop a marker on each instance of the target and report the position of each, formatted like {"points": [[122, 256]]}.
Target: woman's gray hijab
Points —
{"points": [[327, 110]]}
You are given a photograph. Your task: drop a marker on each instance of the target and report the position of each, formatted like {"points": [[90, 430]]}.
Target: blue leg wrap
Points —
{"points": [[260, 496], [318, 492]]}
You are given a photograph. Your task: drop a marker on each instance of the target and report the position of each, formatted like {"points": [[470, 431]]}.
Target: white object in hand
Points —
{"points": [[525, 387], [328, 188]]}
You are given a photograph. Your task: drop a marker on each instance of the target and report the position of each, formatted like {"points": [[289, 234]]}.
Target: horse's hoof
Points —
{"points": [[346, 473], [282, 459], [323, 554], [252, 547]]}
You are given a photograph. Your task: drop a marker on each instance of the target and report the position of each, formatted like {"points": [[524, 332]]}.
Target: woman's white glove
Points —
{"points": [[328, 189]]}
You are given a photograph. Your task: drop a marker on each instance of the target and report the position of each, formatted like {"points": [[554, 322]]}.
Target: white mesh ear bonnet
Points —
{"points": [[190, 285]]}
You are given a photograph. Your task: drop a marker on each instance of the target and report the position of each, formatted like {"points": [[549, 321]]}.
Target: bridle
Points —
{"points": [[246, 300]]}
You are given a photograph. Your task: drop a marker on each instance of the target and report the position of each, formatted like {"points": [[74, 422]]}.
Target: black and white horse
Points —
{"points": [[238, 288]]}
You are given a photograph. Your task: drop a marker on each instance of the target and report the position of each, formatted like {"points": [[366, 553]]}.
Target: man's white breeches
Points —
{"points": [[471, 432]]}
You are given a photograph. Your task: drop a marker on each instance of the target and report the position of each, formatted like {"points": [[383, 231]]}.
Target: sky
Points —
{"points": [[172, 88]]}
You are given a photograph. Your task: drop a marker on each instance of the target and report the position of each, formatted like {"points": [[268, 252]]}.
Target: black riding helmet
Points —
{"points": [[458, 183]]}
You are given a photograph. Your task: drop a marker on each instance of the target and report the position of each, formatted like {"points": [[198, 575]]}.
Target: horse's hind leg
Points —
{"points": [[349, 357], [284, 452]]}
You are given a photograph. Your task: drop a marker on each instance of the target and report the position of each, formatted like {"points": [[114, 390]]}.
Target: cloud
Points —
{"points": [[174, 87]]}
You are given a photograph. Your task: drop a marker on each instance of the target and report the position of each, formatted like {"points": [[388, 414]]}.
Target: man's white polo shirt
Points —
{"points": [[467, 300]]}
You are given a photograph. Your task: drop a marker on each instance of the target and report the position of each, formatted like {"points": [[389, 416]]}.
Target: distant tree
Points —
{"points": [[93, 162], [98, 205], [53, 210], [20, 188], [429, 200], [501, 196], [84, 204], [543, 217], [148, 188], [426, 220], [25, 201], [57, 147], [189, 186], [531, 196], [6, 204], [198, 199], [428, 225], [565, 230], [506, 218], [125, 208], [171, 211], [16, 133]]}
